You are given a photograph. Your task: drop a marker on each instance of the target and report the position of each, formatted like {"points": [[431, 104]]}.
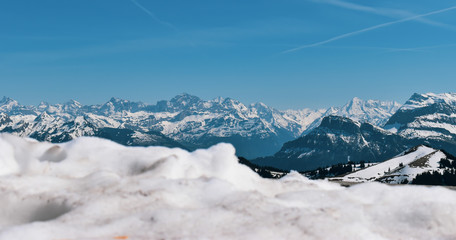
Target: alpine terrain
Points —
{"points": [[337, 140], [428, 119], [184, 121], [405, 167]]}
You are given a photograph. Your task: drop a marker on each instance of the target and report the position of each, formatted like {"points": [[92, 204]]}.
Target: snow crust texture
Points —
{"points": [[90, 188]]}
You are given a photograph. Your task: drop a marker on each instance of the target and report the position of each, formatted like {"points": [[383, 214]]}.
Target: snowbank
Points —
{"points": [[91, 188]]}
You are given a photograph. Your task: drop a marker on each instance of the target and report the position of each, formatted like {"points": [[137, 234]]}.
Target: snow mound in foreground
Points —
{"points": [[91, 188]]}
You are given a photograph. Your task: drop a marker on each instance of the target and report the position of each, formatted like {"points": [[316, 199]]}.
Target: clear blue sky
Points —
{"points": [[285, 53]]}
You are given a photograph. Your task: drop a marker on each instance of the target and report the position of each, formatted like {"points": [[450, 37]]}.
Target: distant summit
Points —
{"points": [[372, 111]]}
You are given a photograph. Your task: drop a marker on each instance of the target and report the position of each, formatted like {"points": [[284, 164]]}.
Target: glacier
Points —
{"points": [[92, 188]]}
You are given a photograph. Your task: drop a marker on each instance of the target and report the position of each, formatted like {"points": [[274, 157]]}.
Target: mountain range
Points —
{"points": [[337, 140], [428, 119], [370, 131], [184, 121]]}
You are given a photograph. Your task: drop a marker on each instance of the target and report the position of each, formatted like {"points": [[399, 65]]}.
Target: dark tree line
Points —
{"points": [[447, 178], [446, 163], [264, 172], [334, 170], [320, 173]]}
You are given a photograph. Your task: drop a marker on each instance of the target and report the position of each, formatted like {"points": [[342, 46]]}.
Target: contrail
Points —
{"points": [[152, 15], [369, 29], [396, 13]]}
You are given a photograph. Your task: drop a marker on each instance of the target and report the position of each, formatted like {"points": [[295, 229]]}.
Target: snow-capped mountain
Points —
{"points": [[426, 116], [337, 140], [403, 168], [12, 107], [429, 117], [374, 112], [62, 122], [255, 130]]}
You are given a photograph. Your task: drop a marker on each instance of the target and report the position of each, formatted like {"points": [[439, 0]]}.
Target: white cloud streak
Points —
{"points": [[152, 15], [388, 12], [346, 35]]}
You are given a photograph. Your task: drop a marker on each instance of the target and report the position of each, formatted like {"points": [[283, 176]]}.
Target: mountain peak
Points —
{"points": [[335, 123], [426, 116], [423, 100], [7, 101], [260, 105], [184, 99], [356, 100], [8, 104], [117, 100], [73, 103], [218, 99], [262, 108], [44, 116], [333, 120], [184, 96]]}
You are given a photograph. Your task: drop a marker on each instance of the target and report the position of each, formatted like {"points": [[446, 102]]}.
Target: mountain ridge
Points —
{"points": [[337, 140], [428, 119], [255, 129]]}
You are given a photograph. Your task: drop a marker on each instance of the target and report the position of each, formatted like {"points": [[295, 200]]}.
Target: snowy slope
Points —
{"points": [[91, 188], [404, 167], [430, 118], [426, 116]]}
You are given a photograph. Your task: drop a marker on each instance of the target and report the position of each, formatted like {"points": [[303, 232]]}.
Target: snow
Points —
{"points": [[374, 112], [304, 117], [91, 188], [376, 171], [435, 125], [403, 167], [409, 172], [102, 121], [433, 122], [418, 133], [393, 128], [188, 111], [423, 100]]}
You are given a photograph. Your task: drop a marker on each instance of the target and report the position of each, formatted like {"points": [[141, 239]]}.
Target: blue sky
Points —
{"points": [[287, 53]]}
